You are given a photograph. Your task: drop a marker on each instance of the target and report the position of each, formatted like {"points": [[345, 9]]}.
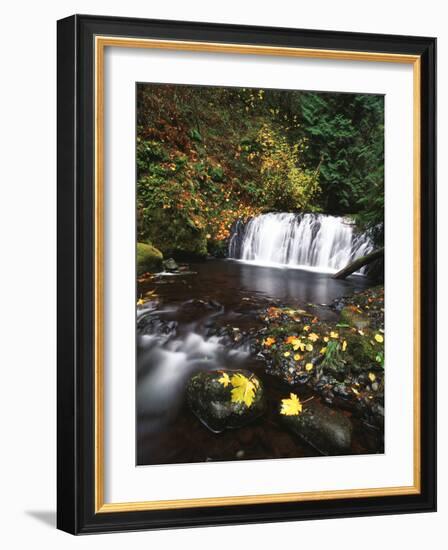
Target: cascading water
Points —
{"points": [[311, 241]]}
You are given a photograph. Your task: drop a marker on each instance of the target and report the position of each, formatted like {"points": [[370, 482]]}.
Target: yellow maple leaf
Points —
{"points": [[140, 302], [379, 338], [309, 366], [323, 350], [334, 334], [243, 389], [313, 337], [297, 344], [224, 380], [372, 377], [291, 406]]}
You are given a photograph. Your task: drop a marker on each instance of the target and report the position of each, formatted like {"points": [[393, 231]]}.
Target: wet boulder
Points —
{"points": [[170, 265], [327, 430], [225, 399]]}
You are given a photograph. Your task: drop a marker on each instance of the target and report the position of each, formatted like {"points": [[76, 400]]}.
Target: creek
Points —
{"points": [[204, 318]]}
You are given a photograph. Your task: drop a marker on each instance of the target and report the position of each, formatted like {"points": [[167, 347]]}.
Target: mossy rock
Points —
{"points": [[353, 316], [148, 258], [210, 397], [327, 430], [363, 350], [175, 235]]}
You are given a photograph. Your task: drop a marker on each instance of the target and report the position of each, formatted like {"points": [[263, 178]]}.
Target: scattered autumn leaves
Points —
{"points": [[244, 390]]}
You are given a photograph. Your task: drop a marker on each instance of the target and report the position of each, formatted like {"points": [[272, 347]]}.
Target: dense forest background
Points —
{"points": [[208, 156]]}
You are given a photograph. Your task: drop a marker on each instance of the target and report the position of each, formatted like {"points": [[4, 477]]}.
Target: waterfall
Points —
{"points": [[309, 241]]}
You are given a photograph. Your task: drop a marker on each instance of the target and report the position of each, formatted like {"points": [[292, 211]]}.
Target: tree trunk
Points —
{"points": [[358, 263]]}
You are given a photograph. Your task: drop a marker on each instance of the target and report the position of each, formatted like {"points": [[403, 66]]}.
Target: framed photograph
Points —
{"points": [[246, 266]]}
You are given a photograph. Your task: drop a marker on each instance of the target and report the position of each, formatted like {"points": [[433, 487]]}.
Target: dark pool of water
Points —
{"points": [[223, 278], [176, 337]]}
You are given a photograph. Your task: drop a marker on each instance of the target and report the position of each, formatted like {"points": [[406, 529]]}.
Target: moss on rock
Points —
{"points": [[149, 258], [355, 317], [175, 235]]}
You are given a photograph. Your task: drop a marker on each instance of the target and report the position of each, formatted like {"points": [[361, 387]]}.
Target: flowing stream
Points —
{"points": [[207, 317], [204, 319], [308, 241]]}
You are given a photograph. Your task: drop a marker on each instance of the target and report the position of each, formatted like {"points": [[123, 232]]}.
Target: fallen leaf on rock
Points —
{"points": [[224, 380], [243, 389], [291, 406], [269, 341]]}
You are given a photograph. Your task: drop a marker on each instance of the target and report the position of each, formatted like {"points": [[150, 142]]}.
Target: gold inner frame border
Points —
{"points": [[101, 42]]}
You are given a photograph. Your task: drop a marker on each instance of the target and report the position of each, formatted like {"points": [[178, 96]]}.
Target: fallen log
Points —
{"points": [[358, 263]]}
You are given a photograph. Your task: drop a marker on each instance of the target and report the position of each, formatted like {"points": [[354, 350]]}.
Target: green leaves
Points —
{"points": [[195, 135]]}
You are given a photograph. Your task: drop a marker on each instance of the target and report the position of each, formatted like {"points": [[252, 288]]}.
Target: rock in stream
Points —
{"points": [[225, 399], [327, 430]]}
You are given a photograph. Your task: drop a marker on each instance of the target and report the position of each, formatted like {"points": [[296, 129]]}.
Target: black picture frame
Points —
{"points": [[76, 512]]}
